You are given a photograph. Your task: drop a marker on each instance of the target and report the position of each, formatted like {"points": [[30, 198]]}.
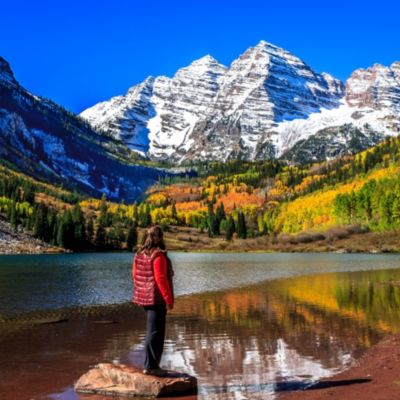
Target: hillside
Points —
{"points": [[49, 143], [246, 199], [351, 203]]}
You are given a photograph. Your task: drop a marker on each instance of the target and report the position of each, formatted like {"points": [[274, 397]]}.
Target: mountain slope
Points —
{"points": [[260, 107], [47, 142]]}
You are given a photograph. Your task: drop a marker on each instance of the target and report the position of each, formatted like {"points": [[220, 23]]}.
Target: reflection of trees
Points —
{"points": [[365, 297], [330, 318], [374, 296]]}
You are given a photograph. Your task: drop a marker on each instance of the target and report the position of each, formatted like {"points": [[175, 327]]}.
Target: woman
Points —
{"points": [[152, 279]]}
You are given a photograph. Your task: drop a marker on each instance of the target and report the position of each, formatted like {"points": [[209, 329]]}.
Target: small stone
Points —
{"points": [[124, 380]]}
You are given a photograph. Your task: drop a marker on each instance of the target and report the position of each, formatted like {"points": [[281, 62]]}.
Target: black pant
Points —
{"points": [[155, 333]]}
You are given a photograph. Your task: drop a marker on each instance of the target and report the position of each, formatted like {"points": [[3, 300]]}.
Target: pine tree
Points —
{"points": [[103, 204], [78, 221], [69, 231], [51, 232], [396, 211], [146, 215], [219, 216], [211, 222], [40, 223], [54, 232], [61, 233], [241, 226], [90, 230], [230, 228], [13, 215], [174, 214], [103, 211], [131, 237], [135, 214], [221, 211], [100, 239]]}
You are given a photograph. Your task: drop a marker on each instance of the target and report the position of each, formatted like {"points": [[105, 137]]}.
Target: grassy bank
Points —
{"points": [[338, 239]]}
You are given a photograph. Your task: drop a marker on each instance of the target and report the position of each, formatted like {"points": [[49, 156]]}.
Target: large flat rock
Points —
{"points": [[125, 380]]}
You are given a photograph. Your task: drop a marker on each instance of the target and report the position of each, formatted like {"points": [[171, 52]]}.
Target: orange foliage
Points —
{"points": [[179, 192], [240, 199], [190, 206]]}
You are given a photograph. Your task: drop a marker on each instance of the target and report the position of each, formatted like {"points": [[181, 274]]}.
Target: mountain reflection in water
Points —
{"points": [[249, 343]]}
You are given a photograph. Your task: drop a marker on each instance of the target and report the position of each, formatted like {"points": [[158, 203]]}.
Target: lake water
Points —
{"points": [[249, 326]]}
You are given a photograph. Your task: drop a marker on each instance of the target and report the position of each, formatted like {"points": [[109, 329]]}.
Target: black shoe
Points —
{"points": [[156, 372]]}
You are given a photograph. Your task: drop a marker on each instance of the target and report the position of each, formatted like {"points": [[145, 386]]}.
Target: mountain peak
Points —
{"points": [[145, 85], [264, 43], [207, 59], [264, 52], [201, 67], [207, 62], [6, 73], [271, 49]]}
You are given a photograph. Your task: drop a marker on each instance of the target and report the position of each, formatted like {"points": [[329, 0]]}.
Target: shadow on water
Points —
{"points": [[333, 383], [286, 386]]}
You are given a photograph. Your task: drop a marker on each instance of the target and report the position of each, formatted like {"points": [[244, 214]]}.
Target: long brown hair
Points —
{"points": [[153, 238]]}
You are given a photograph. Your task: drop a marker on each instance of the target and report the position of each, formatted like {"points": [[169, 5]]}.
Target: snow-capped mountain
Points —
{"points": [[267, 103], [49, 143], [156, 116], [263, 87]]}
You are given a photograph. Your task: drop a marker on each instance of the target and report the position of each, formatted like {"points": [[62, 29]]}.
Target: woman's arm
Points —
{"points": [[133, 270], [161, 277]]}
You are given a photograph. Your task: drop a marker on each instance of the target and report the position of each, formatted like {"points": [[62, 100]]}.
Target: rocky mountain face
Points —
{"points": [[49, 143], [377, 87], [267, 101]]}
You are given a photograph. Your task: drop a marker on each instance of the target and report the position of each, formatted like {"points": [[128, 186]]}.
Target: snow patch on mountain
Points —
{"points": [[288, 133]]}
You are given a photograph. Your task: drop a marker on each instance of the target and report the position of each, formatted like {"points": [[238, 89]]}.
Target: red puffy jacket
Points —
{"points": [[152, 279]]}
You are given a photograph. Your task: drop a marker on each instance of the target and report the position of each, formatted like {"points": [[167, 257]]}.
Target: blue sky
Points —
{"points": [[81, 52]]}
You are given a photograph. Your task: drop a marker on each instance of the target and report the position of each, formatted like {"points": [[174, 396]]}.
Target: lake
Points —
{"points": [[248, 325]]}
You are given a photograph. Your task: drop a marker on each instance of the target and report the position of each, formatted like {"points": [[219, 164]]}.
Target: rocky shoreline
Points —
{"points": [[17, 242]]}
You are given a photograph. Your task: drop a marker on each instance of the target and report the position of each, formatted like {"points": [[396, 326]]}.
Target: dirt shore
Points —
{"points": [[337, 240], [375, 376]]}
